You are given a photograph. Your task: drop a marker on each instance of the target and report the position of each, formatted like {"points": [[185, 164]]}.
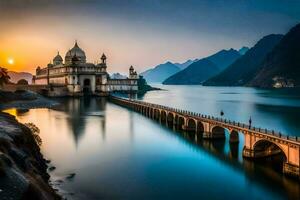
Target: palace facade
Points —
{"points": [[76, 76]]}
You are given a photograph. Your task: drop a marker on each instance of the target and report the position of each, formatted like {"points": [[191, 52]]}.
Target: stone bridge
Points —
{"points": [[258, 143]]}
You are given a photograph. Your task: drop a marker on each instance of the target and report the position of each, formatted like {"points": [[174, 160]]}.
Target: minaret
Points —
{"points": [[132, 73], [103, 58]]}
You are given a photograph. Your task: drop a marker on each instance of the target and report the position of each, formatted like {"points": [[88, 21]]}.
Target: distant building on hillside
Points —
{"points": [[80, 77], [281, 82]]}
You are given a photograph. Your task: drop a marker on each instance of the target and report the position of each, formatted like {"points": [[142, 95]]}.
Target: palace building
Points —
{"points": [[76, 76]]}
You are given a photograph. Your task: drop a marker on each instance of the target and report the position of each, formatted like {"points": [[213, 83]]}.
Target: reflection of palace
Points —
{"points": [[81, 109], [77, 76]]}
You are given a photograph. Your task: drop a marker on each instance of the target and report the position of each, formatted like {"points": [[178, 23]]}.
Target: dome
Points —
{"points": [[57, 59], [76, 50], [75, 59]]}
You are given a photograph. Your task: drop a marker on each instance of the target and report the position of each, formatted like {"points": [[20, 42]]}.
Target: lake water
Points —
{"points": [[119, 154]]}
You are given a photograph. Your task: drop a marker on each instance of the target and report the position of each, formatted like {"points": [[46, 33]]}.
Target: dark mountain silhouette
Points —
{"points": [[203, 69], [282, 64], [243, 50], [244, 69], [160, 72], [16, 76]]}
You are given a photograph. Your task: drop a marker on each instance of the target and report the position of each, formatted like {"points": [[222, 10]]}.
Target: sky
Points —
{"points": [[142, 33]]}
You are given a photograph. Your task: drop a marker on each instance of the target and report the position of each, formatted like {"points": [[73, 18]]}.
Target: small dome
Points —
{"points": [[58, 58], [103, 57], [76, 50], [131, 68]]}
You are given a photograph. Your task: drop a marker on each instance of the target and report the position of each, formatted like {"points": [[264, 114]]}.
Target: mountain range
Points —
{"points": [[281, 67], [244, 69], [203, 69], [159, 73]]}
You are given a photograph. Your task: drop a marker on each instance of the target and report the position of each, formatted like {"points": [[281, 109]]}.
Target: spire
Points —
{"points": [[76, 44]]}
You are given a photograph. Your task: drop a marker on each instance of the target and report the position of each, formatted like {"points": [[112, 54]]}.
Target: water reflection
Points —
{"points": [[78, 109], [120, 154], [261, 172]]}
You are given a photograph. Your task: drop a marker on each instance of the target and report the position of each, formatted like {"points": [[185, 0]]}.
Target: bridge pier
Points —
{"points": [[291, 170]]}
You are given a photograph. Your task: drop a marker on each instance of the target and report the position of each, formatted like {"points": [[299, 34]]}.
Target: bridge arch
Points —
{"points": [[163, 116], [156, 114], [170, 119], [180, 122], [191, 125], [200, 128], [218, 132], [265, 148], [142, 109], [148, 112], [234, 136], [151, 113], [275, 153]]}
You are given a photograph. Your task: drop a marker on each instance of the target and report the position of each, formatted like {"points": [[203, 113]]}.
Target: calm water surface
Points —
{"points": [[119, 154]]}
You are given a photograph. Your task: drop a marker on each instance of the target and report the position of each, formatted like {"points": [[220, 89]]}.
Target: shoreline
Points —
{"points": [[24, 100], [23, 169]]}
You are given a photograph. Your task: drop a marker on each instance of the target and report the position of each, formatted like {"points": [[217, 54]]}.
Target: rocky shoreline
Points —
{"points": [[23, 170], [24, 100]]}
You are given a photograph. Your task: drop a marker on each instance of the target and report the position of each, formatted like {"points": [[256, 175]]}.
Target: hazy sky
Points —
{"points": [[141, 33]]}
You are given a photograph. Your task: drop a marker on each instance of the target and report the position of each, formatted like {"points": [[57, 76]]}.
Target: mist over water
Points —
{"points": [[119, 154]]}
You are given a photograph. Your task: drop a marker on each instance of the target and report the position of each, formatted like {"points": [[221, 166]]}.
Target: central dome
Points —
{"points": [[75, 51]]}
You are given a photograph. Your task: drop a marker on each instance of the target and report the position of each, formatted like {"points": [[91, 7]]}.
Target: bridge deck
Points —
{"points": [[215, 120]]}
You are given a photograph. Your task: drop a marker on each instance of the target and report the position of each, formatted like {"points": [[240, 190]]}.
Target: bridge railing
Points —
{"points": [[208, 117]]}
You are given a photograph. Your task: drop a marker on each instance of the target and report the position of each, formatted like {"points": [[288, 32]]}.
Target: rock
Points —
{"points": [[52, 168], [71, 176], [58, 182], [21, 162]]}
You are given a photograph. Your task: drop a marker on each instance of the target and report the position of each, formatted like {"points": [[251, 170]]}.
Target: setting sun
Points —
{"points": [[10, 61]]}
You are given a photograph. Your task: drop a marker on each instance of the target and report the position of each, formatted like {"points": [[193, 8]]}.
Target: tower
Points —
{"points": [[132, 73], [103, 58], [103, 63]]}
